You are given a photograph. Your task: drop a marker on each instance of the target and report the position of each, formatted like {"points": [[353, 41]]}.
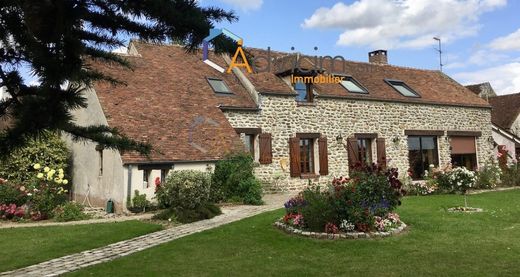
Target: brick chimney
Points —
{"points": [[378, 56]]}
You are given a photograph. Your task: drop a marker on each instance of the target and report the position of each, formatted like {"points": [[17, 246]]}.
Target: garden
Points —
{"points": [[364, 203], [34, 183], [437, 242]]}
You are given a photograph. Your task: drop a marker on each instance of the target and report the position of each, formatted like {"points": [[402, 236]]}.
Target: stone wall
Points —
{"points": [[283, 118]]}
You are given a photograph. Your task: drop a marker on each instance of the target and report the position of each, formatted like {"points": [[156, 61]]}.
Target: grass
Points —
{"points": [[438, 243], [20, 247]]}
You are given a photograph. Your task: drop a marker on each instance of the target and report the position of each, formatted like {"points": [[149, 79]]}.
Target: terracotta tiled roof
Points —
{"points": [[168, 102], [432, 85], [506, 109]]}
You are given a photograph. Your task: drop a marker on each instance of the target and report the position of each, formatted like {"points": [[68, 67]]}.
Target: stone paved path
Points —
{"points": [[113, 251]]}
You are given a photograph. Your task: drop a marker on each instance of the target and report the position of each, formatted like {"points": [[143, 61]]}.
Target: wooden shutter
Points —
{"points": [[352, 150], [294, 153], [324, 156], [266, 150], [381, 152]]}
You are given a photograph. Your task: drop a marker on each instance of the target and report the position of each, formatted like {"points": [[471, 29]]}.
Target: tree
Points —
{"points": [[56, 39]]}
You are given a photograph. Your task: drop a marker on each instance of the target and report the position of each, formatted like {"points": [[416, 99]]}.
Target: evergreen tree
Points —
{"points": [[56, 38]]}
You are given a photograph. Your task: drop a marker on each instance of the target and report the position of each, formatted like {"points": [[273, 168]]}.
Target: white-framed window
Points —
{"points": [[146, 178]]}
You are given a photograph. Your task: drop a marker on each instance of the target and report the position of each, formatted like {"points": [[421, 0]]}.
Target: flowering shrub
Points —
{"points": [[11, 211], [48, 149], [489, 176], [331, 228], [40, 194], [347, 226], [422, 188], [462, 179], [349, 203]]}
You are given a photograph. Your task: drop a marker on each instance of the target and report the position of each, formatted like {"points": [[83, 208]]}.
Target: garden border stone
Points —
{"points": [[350, 235]]}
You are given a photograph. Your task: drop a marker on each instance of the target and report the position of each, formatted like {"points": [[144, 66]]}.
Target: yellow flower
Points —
{"points": [[39, 176], [57, 180], [65, 181], [61, 175], [46, 169], [37, 166]]}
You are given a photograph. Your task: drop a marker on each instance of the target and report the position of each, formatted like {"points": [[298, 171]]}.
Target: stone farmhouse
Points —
{"points": [[297, 132]]}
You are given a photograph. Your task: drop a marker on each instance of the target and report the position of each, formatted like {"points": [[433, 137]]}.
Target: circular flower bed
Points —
{"points": [[462, 209], [393, 230], [357, 207]]}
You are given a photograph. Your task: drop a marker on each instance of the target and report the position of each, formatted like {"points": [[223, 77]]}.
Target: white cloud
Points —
{"points": [[245, 5], [504, 78], [402, 23], [509, 42], [486, 56]]}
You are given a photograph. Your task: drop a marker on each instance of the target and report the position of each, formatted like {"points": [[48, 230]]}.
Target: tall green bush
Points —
{"points": [[47, 150], [233, 178], [184, 189]]}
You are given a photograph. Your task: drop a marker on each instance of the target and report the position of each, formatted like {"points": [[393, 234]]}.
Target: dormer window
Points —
{"points": [[304, 91], [350, 84], [219, 86], [402, 88]]}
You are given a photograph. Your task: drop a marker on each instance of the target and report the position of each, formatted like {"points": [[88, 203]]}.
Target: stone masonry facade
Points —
{"points": [[331, 117]]}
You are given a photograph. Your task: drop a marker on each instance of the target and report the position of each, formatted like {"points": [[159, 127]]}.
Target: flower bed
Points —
{"points": [[462, 209], [340, 235], [38, 198], [361, 206]]}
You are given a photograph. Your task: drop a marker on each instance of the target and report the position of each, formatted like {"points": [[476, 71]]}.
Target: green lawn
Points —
{"points": [[438, 243], [22, 247]]}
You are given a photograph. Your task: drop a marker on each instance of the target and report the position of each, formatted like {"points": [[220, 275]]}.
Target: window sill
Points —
{"points": [[306, 104], [309, 176]]}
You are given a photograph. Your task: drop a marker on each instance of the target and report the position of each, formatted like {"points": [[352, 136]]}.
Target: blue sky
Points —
{"points": [[481, 39]]}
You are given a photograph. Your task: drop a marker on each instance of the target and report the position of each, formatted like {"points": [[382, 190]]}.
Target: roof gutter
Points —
{"points": [[505, 133]]}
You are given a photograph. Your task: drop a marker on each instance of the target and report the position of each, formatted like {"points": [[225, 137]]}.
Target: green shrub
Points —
{"points": [[139, 201], [70, 211], [184, 189], [201, 212], [319, 210], [511, 175], [233, 179], [47, 150], [11, 194]]}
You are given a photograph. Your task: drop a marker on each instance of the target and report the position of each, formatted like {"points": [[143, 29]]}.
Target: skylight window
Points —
{"points": [[402, 88], [352, 85], [218, 85]]}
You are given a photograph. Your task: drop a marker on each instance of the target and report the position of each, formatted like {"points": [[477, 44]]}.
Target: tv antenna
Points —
{"points": [[440, 51]]}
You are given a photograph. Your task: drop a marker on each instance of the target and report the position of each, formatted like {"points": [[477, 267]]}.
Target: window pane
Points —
{"points": [[249, 143], [306, 159], [218, 85], [422, 151], [414, 143], [351, 86], [404, 91], [301, 89], [365, 150], [428, 143]]}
